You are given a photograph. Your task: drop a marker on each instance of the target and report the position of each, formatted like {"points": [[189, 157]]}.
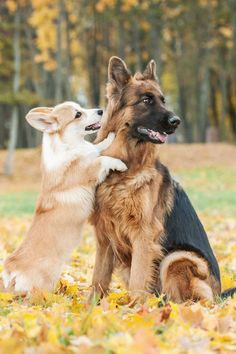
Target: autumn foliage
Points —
{"points": [[65, 322]]}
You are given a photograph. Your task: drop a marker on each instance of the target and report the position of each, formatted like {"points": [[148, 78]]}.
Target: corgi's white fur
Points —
{"points": [[71, 170]]}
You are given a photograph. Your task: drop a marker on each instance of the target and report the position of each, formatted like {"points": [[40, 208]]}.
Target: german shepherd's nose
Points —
{"points": [[174, 121]]}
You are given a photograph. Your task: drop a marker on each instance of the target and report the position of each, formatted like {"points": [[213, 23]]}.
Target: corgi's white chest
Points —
{"points": [[55, 154], [80, 198]]}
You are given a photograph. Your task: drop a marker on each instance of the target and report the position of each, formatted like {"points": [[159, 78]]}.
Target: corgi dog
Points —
{"points": [[71, 171]]}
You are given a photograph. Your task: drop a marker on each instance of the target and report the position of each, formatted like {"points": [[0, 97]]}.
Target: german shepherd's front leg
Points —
{"points": [[142, 274], [103, 270]]}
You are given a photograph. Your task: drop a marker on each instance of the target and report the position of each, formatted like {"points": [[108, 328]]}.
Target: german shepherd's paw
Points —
{"points": [[95, 295], [140, 296]]}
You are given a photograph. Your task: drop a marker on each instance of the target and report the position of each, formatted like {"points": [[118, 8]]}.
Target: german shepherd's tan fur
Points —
{"points": [[131, 207]]}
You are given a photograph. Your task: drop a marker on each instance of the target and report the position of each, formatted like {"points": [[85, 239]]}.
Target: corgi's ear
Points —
{"points": [[41, 118]]}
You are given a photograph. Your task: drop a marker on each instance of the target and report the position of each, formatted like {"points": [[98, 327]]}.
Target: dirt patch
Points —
{"points": [[177, 157], [185, 156], [26, 174]]}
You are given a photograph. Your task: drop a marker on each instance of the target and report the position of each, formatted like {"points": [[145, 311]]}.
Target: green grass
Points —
{"points": [[211, 190], [17, 204], [219, 202]]}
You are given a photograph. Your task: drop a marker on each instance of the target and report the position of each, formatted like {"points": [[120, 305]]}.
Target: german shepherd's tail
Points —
{"points": [[228, 293]]}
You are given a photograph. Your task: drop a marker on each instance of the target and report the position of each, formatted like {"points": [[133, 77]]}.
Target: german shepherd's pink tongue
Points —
{"points": [[162, 137], [157, 135]]}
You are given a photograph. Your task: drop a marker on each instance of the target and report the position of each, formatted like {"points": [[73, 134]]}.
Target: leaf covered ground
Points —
{"points": [[64, 322]]}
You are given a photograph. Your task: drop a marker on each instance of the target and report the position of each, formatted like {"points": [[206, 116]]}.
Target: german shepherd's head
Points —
{"points": [[136, 104]]}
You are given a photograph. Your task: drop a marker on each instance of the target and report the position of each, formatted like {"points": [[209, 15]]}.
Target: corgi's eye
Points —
{"points": [[78, 114]]}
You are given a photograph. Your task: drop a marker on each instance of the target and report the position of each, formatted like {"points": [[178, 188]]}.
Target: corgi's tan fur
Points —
{"points": [[71, 170]]}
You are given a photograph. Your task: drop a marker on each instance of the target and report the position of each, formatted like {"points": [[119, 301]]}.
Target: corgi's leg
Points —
{"points": [[186, 276], [25, 270], [103, 145], [23, 281], [18, 281]]}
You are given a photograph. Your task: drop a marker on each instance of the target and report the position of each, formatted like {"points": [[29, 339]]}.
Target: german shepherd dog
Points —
{"points": [[144, 221]]}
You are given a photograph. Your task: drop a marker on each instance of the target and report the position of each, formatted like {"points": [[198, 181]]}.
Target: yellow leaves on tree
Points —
{"points": [[104, 4], [12, 5], [51, 27], [127, 5], [43, 19]]}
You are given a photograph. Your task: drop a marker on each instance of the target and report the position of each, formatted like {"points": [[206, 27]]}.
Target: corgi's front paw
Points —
{"points": [[118, 165], [110, 164]]}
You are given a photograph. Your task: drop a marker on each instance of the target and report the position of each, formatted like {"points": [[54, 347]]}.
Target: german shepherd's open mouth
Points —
{"points": [[152, 135], [156, 137]]}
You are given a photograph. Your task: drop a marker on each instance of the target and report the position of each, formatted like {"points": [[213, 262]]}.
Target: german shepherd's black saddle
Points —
{"points": [[184, 231]]}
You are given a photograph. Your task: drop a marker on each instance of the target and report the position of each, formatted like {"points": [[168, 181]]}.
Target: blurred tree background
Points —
{"points": [[58, 50]]}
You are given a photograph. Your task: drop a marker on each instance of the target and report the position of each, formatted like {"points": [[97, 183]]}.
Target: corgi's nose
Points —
{"points": [[100, 112]]}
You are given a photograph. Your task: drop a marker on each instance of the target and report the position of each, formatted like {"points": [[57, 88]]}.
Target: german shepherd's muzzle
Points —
{"points": [[154, 122]]}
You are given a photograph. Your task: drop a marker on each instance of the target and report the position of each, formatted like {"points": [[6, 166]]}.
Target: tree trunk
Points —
{"points": [[203, 107], [120, 30], [231, 108], [137, 48], [58, 91], [93, 61], [68, 59], [8, 166], [223, 85]]}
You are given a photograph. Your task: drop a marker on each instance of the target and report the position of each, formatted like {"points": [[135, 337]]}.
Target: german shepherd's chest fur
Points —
{"points": [[127, 206]]}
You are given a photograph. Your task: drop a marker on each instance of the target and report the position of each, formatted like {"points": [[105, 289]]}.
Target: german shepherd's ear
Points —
{"points": [[118, 72], [150, 71]]}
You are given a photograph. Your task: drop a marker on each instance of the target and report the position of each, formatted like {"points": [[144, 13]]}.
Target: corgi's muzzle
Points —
{"points": [[95, 126]]}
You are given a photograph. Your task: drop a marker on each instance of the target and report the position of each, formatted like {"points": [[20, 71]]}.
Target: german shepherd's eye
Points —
{"points": [[163, 100], [148, 100], [78, 114]]}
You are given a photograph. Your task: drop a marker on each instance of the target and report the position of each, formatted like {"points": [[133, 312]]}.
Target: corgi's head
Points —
{"points": [[67, 118]]}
